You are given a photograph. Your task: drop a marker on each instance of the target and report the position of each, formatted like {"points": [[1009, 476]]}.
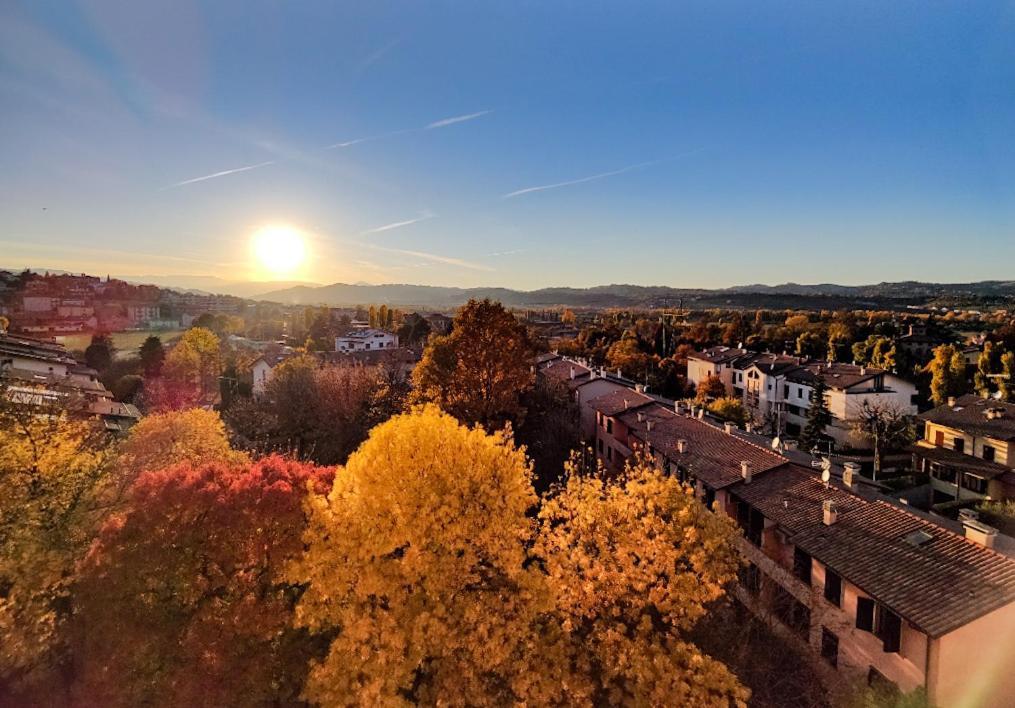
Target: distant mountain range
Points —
{"points": [[830, 295]]}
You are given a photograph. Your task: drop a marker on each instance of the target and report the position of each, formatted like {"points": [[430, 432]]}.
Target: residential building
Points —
{"points": [[365, 339], [874, 591], [716, 362], [968, 449], [264, 366]]}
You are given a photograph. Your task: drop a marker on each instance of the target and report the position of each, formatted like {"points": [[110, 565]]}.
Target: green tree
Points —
{"points": [[819, 417], [99, 354], [153, 356]]}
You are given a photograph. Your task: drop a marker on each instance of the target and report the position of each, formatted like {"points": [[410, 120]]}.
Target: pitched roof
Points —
{"points": [[615, 402], [718, 355], [713, 455], [960, 461], [939, 584], [835, 375], [561, 370], [969, 414]]}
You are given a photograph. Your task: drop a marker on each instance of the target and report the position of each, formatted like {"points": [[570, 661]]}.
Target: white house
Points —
{"points": [[264, 367], [366, 340]]}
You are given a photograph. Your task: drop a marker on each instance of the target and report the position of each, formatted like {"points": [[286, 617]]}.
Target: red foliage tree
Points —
{"points": [[181, 601]]}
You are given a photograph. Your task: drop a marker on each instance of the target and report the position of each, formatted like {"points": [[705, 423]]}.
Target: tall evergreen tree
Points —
{"points": [[818, 418]]}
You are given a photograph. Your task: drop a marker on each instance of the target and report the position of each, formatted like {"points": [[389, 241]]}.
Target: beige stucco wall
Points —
{"points": [[974, 666]]}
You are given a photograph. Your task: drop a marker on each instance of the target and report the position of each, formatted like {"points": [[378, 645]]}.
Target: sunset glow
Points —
{"points": [[279, 250]]}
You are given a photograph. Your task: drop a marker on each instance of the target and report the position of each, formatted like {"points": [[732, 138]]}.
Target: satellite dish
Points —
{"points": [[826, 475], [776, 443], [826, 464]]}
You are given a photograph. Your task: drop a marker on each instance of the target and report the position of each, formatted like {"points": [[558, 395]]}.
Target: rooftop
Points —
{"points": [[933, 577], [616, 402], [985, 417]]}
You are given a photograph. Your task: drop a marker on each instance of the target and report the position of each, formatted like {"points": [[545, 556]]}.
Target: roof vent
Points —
{"points": [[951, 401], [829, 512], [745, 471], [681, 446], [979, 532]]}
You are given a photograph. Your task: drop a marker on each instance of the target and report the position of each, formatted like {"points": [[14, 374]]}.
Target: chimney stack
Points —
{"points": [[681, 446], [572, 373], [641, 417], [979, 532], [729, 427], [829, 512], [951, 401], [648, 426], [701, 414], [850, 471], [745, 471]]}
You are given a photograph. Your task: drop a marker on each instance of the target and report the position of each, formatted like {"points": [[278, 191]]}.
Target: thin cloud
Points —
{"points": [[399, 224], [506, 253], [223, 173], [580, 180], [433, 257], [455, 119]]}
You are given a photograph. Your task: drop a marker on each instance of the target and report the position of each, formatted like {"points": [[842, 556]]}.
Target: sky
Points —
{"points": [[516, 144]]}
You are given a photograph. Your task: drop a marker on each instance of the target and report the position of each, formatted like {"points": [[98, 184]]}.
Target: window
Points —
{"points": [[802, 565], [600, 441], [974, 484], [959, 444], [945, 474], [751, 521], [988, 453], [785, 391], [939, 438], [865, 614], [790, 611], [833, 588], [799, 393], [609, 454], [709, 496], [750, 579], [829, 647], [889, 629], [609, 425]]}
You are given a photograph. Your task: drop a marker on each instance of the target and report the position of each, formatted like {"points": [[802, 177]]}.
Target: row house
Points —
{"points": [[873, 591], [585, 383], [968, 450], [877, 591], [779, 392]]}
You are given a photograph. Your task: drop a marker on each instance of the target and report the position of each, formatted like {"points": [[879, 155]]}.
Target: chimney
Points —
{"points": [[951, 401], [648, 426], [619, 375], [641, 417], [850, 471], [829, 512], [863, 370], [745, 471], [701, 414], [626, 404], [979, 532], [572, 373], [729, 427], [681, 446]]}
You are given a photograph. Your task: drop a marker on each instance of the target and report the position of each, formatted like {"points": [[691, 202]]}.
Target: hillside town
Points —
{"points": [[874, 499]]}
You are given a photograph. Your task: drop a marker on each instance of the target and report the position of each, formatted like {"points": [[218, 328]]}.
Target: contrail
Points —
{"points": [[580, 180], [223, 173]]}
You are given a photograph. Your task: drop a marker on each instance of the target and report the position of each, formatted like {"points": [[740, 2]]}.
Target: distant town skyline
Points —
{"points": [[510, 145]]}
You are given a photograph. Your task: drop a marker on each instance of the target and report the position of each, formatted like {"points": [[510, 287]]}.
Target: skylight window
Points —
{"points": [[918, 538]]}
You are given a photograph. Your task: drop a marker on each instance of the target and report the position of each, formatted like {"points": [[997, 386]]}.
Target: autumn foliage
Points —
{"points": [[426, 561], [181, 601]]}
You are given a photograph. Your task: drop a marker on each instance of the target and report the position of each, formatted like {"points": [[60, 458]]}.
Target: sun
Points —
{"points": [[279, 250]]}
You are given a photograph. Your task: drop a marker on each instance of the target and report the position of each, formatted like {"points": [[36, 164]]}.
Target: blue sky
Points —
{"points": [[687, 144]]}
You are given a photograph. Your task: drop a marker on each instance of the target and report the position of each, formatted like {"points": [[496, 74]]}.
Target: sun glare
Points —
{"points": [[279, 250]]}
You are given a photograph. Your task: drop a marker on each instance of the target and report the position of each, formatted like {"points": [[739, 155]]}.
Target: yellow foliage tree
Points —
{"points": [[441, 589], [157, 441], [632, 565], [53, 471], [195, 358]]}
